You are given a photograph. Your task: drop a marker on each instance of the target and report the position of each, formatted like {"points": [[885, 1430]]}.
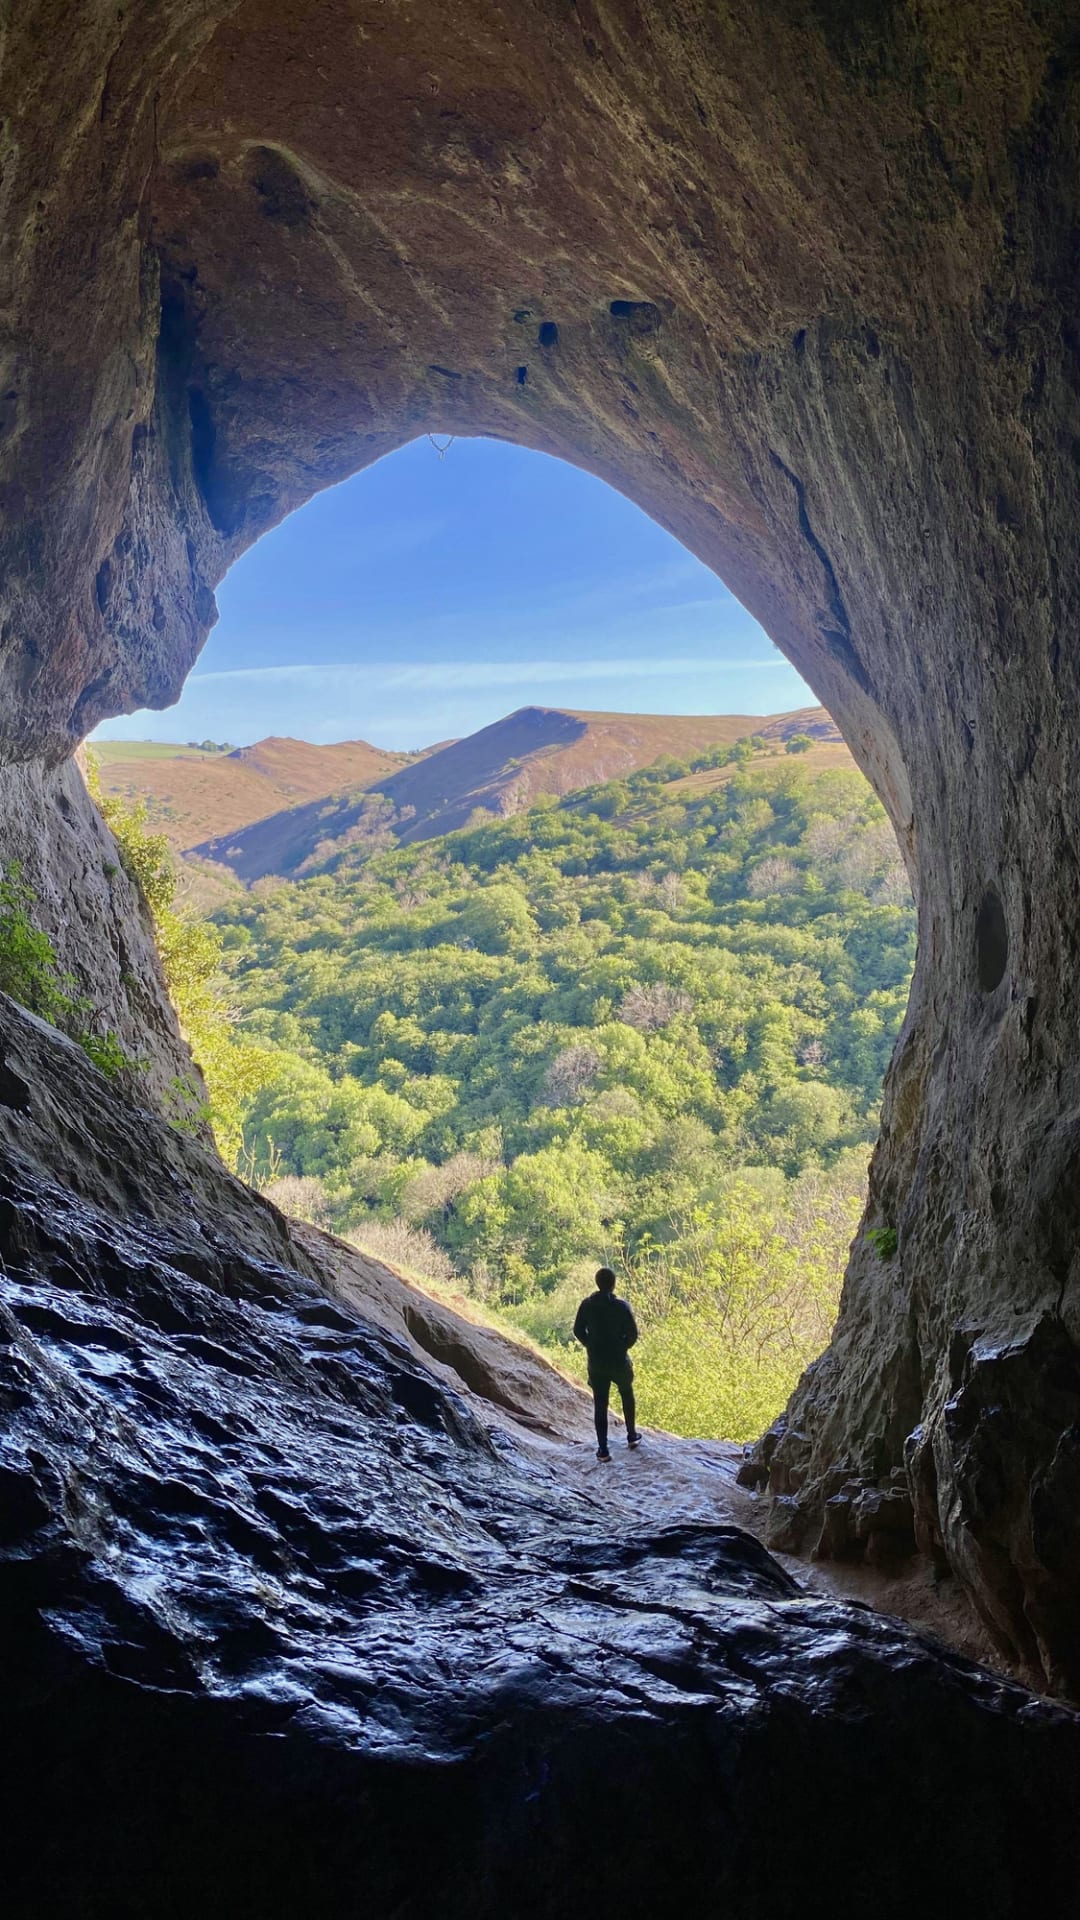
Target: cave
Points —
{"points": [[799, 279]]}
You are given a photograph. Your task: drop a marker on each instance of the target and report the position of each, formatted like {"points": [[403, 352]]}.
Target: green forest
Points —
{"points": [[645, 1024]]}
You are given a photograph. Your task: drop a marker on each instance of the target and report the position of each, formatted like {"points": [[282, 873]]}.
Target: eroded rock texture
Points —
{"points": [[800, 278], [291, 1626]]}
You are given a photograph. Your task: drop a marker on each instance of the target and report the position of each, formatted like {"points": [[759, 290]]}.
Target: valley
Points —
{"points": [[273, 807], [644, 1020]]}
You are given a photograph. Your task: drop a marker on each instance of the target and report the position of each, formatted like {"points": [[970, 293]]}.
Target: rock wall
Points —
{"points": [[798, 277]]}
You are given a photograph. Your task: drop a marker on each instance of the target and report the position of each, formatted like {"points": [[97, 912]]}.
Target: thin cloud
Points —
{"points": [[446, 674]]}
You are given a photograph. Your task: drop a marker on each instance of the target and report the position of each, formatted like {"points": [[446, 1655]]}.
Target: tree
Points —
{"points": [[773, 875], [651, 1005], [571, 1072], [798, 743], [191, 955]]}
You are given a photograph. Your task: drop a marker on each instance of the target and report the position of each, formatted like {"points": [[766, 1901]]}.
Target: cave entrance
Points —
{"points": [[800, 283], [581, 984]]}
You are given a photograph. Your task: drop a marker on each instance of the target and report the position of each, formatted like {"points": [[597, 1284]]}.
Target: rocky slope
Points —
{"points": [[297, 1621], [500, 769]]}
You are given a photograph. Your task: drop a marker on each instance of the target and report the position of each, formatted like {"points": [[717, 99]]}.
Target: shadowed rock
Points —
{"points": [[290, 1627]]}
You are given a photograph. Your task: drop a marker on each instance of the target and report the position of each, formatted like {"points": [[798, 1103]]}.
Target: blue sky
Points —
{"points": [[426, 597]]}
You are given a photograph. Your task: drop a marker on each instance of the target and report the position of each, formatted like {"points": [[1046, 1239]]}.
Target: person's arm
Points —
{"points": [[631, 1328], [581, 1324]]}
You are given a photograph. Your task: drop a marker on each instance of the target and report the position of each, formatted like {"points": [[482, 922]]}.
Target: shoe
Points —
{"points": [[633, 1440], [602, 1453]]}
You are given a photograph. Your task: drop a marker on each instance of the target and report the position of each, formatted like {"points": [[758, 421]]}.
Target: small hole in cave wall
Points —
{"points": [[548, 335], [991, 941], [641, 316], [282, 194], [204, 167], [14, 1091], [522, 376]]}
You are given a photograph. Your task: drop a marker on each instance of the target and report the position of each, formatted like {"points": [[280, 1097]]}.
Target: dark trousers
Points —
{"points": [[601, 1380]]}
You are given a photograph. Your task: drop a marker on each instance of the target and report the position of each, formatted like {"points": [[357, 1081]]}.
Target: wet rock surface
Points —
{"points": [[293, 1626]]}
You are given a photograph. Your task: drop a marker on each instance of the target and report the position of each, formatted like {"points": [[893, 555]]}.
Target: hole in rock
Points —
{"points": [[14, 1092], [282, 194], [573, 931], [642, 315], [991, 941]]}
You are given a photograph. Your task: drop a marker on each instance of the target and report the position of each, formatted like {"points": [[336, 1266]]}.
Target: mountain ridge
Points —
{"points": [[500, 769]]}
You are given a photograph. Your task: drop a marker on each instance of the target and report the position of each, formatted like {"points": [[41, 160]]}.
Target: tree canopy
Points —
{"points": [[640, 1024]]}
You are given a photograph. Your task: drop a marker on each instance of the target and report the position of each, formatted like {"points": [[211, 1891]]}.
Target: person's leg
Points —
{"points": [[629, 1405], [601, 1389]]}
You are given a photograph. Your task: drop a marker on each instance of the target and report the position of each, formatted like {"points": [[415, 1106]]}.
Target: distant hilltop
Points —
{"points": [[197, 793]]}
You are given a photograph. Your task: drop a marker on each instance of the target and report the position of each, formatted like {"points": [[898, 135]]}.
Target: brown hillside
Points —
{"points": [[193, 796], [504, 767], [811, 720], [500, 769]]}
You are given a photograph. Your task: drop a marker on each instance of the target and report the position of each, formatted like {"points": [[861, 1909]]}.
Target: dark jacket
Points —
{"points": [[607, 1330]]}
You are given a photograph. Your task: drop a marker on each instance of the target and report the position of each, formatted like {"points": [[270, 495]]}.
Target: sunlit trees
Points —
{"points": [[642, 1023], [233, 1068]]}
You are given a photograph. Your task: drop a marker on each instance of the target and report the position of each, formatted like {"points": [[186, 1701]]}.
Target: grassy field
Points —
{"points": [[111, 751], [822, 757]]}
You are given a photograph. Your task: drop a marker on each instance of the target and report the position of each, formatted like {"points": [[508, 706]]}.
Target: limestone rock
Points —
{"points": [[801, 280]]}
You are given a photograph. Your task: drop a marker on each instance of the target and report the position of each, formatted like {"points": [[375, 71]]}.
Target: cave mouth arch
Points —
{"points": [[807, 1099], [855, 240], [437, 564]]}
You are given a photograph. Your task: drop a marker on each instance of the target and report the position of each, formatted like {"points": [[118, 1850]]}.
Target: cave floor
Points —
{"points": [[671, 1481], [301, 1562]]}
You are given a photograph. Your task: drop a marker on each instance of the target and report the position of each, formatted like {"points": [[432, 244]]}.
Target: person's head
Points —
{"points": [[605, 1280]]}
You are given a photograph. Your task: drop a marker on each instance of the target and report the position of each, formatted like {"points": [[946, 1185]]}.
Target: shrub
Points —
{"points": [[884, 1241], [29, 972], [302, 1196], [402, 1245]]}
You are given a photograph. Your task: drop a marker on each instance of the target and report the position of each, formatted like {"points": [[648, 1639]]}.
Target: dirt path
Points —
{"points": [[671, 1480], [668, 1481]]}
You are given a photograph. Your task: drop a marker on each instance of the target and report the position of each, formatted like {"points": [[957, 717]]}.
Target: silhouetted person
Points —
{"points": [[607, 1330]]}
